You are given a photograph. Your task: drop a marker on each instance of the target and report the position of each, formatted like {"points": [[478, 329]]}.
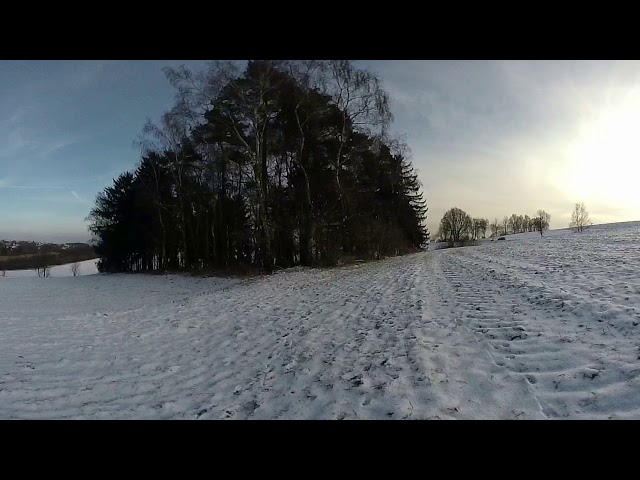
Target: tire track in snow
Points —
{"points": [[448, 334], [573, 366], [370, 341]]}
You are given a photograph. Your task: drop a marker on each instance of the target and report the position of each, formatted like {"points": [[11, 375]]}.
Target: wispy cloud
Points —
{"points": [[80, 199], [42, 192], [27, 134]]}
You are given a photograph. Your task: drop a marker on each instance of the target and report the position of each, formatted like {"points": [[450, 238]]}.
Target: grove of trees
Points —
{"points": [[520, 224], [285, 163], [458, 226]]}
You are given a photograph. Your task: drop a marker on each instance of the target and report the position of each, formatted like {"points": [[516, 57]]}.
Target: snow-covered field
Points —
{"points": [[525, 328], [88, 267]]}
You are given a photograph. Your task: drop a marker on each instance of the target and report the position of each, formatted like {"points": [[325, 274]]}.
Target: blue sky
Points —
{"points": [[67, 128], [491, 137]]}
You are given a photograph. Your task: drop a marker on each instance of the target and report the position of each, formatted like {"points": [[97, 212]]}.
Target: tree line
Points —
{"points": [[521, 224], [458, 226], [21, 247], [284, 163], [42, 256]]}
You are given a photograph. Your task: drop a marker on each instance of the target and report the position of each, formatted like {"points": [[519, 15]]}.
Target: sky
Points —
{"points": [[490, 137]]}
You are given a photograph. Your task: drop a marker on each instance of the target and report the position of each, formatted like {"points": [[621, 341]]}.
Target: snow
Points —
{"points": [[528, 328], [87, 267]]}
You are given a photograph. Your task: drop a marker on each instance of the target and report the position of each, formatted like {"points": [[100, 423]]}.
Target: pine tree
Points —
{"points": [[270, 168]]}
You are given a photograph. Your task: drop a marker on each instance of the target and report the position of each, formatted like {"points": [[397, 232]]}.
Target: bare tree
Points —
{"points": [[170, 136], [480, 228], [495, 227], [475, 230], [74, 268], [505, 224], [513, 223], [484, 224], [363, 105], [579, 217], [541, 221], [457, 223], [195, 90], [42, 270]]}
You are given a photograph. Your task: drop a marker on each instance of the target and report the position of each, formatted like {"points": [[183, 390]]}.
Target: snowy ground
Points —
{"points": [[524, 328], [87, 267]]}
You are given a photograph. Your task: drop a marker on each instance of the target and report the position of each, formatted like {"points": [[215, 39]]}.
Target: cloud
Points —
{"points": [[27, 153], [27, 137], [16, 142], [497, 137], [42, 192]]}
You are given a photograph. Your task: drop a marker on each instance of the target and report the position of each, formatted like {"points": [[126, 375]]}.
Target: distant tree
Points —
{"points": [[74, 268], [41, 265], [505, 224], [44, 271], [526, 221], [513, 223], [456, 224], [484, 223], [477, 227], [541, 221], [579, 217], [495, 227]]}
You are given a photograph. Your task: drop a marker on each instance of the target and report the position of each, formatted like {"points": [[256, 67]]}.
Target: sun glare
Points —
{"points": [[606, 160]]}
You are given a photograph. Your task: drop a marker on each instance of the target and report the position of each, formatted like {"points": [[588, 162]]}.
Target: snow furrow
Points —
{"points": [[531, 329], [576, 363]]}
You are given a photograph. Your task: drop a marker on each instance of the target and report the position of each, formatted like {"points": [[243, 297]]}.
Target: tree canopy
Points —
{"points": [[283, 164], [456, 225]]}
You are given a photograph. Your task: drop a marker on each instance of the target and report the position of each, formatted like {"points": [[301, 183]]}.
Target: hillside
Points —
{"points": [[20, 255], [525, 329]]}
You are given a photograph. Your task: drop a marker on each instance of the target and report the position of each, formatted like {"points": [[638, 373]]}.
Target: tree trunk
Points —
{"points": [[307, 230]]}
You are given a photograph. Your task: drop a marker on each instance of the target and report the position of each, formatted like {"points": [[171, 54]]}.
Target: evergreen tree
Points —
{"points": [[270, 167]]}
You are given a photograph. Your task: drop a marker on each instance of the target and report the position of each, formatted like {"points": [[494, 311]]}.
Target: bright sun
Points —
{"points": [[606, 160]]}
